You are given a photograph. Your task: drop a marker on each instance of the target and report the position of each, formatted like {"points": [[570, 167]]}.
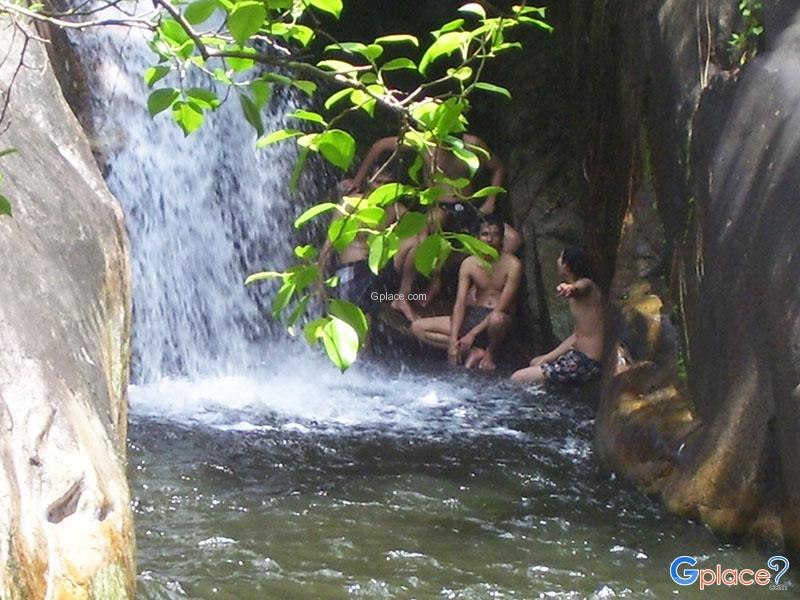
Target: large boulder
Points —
{"points": [[715, 432], [66, 527]]}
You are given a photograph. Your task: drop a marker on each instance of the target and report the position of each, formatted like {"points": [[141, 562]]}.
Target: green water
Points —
{"points": [[459, 489]]}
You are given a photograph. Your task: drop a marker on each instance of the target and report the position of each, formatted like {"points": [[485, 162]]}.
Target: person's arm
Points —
{"points": [[459, 311], [382, 145], [494, 164], [577, 288], [510, 288], [556, 352]]}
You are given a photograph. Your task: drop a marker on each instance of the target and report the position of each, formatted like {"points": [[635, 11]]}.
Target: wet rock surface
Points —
{"points": [[66, 528]]}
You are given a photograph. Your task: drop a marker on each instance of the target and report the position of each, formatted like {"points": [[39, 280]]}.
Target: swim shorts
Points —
{"points": [[474, 315], [572, 367]]}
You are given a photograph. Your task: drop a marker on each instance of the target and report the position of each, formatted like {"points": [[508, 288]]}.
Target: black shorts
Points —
{"points": [[359, 285], [473, 316]]}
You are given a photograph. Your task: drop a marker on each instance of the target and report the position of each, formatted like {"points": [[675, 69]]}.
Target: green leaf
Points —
{"points": [[306, 115], [301, 34], [155, 74], [306, 252], [312, 212], [338, 147], [338, 66], [277, 136], [161, 100], [199, 11], [488, 191], [342, 232], [7, 151], [262, 276], [467, 157], [387, 193], [461, 74], [410, 224], [173, 32], [334, 98], [341, 342], [333, 7], [5, 206], [371, 216], [401, 38], [188, 115], [251, 113], [203, 98], [399, 63], [307, 87], [352, 315], [428, 254], [301, 276], [245, 20], [313, 330], [490, 87], [240, 64], [298, 169], [363, 101], [476, 247], [474, 8], [376, 254], [283, 297], [450, 26], [298, 311], [261, 92], [444, 46]]}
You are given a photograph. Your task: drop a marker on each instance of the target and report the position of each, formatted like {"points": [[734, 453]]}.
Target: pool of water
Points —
{"points": [[387, 483]]}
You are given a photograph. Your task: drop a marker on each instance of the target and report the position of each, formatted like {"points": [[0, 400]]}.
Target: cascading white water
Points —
{"points": [[202, 211]]}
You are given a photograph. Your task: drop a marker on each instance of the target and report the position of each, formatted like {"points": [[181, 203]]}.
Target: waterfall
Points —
{"points": [[202, 212]]}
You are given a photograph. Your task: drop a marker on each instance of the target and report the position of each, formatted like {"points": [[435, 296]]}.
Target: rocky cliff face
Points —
{"points": [[713, 431], [66, 528]]}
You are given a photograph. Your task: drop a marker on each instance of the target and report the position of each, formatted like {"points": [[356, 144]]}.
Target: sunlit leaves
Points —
{"points": [[155, 74], [188, 115], [277, 136], [496, 89], [333, 7], [5, 206], [200, 11], [337, 146], [245, 20], [445, 45], [312, 212], [161, 99]]}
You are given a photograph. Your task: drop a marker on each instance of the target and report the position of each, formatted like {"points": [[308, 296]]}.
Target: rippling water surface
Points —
{"points": [[387, 484]]}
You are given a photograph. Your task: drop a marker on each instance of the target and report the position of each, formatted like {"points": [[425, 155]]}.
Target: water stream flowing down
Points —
{"points": [[258, 471]]}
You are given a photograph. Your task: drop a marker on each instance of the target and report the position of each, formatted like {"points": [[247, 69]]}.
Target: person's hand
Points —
{"points": [[466, 342], [538, 360], [347, 186], [453, 354], [565, 289]]}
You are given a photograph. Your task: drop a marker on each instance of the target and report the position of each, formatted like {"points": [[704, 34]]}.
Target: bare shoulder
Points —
{"points": [[469, 265], [511, 262]]}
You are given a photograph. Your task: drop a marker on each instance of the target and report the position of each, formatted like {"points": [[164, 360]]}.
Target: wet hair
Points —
{"points": [[488, 221], [577, 262]]}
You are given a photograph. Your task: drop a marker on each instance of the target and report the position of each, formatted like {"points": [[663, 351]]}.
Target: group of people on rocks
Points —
{"points": [[486, 292]]}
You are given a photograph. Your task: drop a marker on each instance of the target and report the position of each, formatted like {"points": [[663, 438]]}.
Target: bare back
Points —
{"points": [[587, 311]]}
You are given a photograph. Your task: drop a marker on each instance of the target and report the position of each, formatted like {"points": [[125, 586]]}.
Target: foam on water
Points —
{"points": [[367, 397]]}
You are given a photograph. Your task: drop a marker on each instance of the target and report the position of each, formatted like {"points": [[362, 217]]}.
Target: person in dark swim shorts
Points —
{"points": [[572, 367]]}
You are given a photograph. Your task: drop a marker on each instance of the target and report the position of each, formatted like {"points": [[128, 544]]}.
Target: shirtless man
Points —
{"points": [[488, 319], [458, 215], [577, 359], [356, 280]]}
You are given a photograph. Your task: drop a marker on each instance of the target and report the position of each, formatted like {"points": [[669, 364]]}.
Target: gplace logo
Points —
{"points": [[683, 572]]}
